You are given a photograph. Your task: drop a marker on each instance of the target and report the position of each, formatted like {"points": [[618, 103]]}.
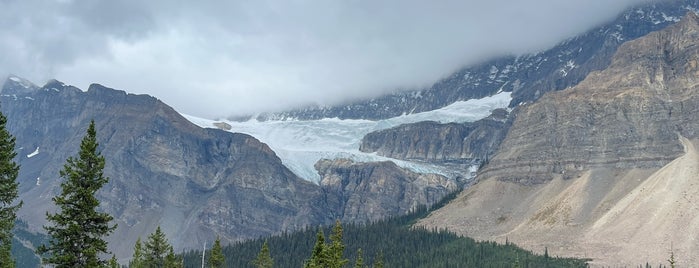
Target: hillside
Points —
{"points": [[603, 169]]}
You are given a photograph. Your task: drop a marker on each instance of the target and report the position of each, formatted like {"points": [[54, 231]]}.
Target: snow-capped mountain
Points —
{"points": [[528, 77]]}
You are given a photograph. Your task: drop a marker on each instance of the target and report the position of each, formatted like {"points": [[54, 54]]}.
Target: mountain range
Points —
{"points": [[586, 149]]}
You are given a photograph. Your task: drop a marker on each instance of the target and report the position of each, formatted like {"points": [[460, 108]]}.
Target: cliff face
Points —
{"points": [[196, 183], [371, 191], [435, 142], [603, 169]]}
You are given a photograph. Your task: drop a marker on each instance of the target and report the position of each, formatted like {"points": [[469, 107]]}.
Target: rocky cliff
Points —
{"points": [[371, 191], [468, 142], [603, 169], [196, 183]]}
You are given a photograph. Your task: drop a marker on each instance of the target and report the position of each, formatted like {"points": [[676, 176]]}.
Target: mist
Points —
{"points": [[222, 58]]}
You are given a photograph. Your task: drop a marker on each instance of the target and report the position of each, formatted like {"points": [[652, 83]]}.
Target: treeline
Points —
{"points": [[392, 242]]}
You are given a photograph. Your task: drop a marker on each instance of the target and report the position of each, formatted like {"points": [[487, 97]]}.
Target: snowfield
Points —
{"points": [[300, 144]]}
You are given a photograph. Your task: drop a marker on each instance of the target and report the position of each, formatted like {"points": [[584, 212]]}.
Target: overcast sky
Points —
{"points": [[219, 58]]}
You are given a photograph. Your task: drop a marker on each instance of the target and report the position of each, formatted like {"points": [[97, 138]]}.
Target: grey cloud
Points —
{"points": [[216, 58]]}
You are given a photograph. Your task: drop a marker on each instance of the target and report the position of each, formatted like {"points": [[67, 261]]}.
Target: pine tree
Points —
{"points": [[335, 250], [8, 193], [172, 260], [137, 261], [113, 262], [672, 259], [359, 262], [77, 229], [378, 261], [317, 259], [264, 259], [216, 258], [157, 249]]}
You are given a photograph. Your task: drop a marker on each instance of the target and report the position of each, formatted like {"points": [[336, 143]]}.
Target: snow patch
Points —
{"points": [[300, 144], [34, 153], [38, 181]]}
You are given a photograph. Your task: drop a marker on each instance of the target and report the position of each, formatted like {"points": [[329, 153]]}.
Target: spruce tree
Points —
{"points": [[113, 262], [318, 259], [172, 260], [137, 260], [8, 193], [77, 230], [359, 262], [157, 249], [216, 258], [264, 259], [335, 250], [378, 261]]}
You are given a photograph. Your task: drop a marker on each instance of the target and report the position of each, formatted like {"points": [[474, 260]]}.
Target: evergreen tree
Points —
{"points": [[672, 259], [8, 193], [317, 259], [359, 262], [216, 258], [378, 261], [77, 229], [113, 262], [172, 260], [157, 249], [264, 259], [335, 250], [138, 260]]}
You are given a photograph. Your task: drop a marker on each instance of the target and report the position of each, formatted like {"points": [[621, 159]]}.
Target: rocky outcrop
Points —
{"points": [[627, 116], [370, 191], [196, 183], [434, 142], [604, 169], [528, 77]]}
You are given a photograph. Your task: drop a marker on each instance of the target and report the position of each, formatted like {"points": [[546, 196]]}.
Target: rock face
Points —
{"points": [[603, 169], [435, 142], [528, 77], [371, 191], [196, 183]]}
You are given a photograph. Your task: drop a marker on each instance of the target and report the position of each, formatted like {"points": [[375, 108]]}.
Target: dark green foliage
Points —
{"points": [[157, 249], [8, 194], [359, 262], [317, 258], [113, 262], [264, 259], [77, 229], [172, 260], [335, 250], [138, 258], [216, 258], [400, 245]]}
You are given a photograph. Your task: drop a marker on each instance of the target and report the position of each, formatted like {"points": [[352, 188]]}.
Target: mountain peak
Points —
{"points": [[16, 85]]}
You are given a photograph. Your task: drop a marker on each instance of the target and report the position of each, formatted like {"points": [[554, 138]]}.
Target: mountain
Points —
{"points": [[606, 169], [468, 142], [528, 76], [196, 183]]}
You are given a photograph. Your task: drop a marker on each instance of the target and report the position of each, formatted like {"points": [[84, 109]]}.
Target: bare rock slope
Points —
{"points": [[607, 169]]}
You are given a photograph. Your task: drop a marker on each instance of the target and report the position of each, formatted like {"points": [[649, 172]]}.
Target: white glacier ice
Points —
{"points": [[300, 144]]}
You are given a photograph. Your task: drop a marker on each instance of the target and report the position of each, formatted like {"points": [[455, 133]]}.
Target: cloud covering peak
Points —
{"points": [[220, 58]]}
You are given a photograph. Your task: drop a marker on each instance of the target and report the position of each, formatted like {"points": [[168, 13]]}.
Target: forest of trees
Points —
{"points": [[388, 243]]}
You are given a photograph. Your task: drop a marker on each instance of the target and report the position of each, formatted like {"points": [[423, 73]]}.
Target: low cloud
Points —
{"points": [[222, 58]]}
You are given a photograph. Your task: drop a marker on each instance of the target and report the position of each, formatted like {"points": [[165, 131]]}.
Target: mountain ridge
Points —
{"points": [[580, 165]]}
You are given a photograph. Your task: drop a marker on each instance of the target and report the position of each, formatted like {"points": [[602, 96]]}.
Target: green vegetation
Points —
{"points": [[216, 258], [77, 230], [8, 194], [158, 252], [386, 243]]}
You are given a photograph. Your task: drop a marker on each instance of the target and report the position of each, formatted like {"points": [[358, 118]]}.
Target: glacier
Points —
{"points": [[300, 144]]}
